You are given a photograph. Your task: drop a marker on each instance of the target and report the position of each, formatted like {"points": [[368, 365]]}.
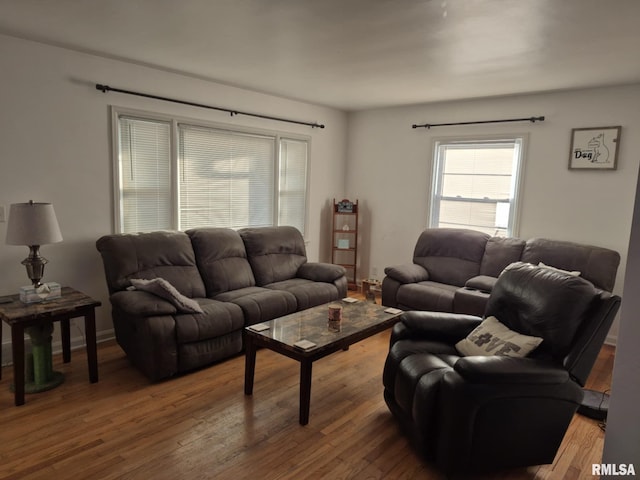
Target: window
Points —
{"points": [[181, 175], [144, 175], [226, 178], [475, 185]]}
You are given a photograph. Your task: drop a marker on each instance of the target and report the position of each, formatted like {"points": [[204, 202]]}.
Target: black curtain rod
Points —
{"points": [[107, 88], [530, 119]]}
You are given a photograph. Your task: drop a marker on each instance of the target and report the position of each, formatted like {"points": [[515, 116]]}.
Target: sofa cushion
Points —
{"points": [[221, 259], [575, 273], [217, 319], [261, 304], [470, 301], [500, 252], [483, 283], [450, 255], [168, 255], [596, 264], [308, 294], [275, 253], [163, 289], [493, 338], [428, 295]]}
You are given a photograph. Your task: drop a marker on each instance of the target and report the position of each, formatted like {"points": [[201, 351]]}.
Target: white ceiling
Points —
{"points": [[354, 54]]}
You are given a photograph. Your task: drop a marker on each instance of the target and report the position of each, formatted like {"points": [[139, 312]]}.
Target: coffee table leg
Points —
{"points": [[305, 390], [249, 364], [17, 346]]}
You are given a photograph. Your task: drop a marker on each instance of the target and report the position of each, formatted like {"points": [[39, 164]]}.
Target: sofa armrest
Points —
{"points": [[484, 283], [321, 272], [438, 326], [141, 303], [407, 273], [509, 370]]}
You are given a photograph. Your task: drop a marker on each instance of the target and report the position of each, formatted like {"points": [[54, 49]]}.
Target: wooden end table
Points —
{"points": [[360, 320], [37, 320]]}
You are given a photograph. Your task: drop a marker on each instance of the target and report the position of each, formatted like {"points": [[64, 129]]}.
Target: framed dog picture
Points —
{"points": [[594, 148]]}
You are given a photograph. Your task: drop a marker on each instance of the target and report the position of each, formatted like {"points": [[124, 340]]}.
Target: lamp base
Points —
{"points": [[57, 378], [39, 374], [35, 265], [46, 291]]}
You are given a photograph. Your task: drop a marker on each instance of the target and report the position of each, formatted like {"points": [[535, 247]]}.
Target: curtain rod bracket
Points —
{"points": [[528, 119], [107, 88]]}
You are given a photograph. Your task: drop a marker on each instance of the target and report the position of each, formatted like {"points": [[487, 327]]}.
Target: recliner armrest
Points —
{"points": [[438, 326], [484, 283], [138, 302], [509, 370], [321, 272], [408, 273]]}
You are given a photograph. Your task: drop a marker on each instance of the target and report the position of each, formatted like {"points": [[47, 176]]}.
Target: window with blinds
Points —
{"points": [[292, 182], [475, 185], [175, 175], [226, 178], [144, 175]]}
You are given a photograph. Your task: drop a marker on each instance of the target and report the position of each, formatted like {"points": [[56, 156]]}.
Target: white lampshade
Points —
{"points": [[32, 224]]}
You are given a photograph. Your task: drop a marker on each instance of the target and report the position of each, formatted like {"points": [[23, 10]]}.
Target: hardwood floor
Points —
{"points": [[201, 425]]}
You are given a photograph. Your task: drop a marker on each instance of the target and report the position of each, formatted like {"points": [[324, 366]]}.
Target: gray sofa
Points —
{"points": [[237, 278], [454, 270]]}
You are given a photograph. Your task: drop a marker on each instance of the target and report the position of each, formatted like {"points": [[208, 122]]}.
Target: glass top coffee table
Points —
{"points": [[360, 320]]}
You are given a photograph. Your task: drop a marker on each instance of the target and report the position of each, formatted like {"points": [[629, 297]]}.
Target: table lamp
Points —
{"points": [[33, 224]]}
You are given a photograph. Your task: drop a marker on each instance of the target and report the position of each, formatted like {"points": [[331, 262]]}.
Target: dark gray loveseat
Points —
{"points": [[454, 270], [238, 278]]}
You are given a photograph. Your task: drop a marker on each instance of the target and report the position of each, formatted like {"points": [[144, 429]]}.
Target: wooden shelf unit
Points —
{"points": [[344, 240]]}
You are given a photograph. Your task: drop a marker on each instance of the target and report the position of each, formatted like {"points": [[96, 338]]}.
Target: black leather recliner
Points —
{"points": [[482, 413]]}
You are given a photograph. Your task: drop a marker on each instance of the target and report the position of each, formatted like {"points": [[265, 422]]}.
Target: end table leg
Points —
{"points": [[305, 390], [17, 346], [65, 336], [249, 364], [92, 348]]}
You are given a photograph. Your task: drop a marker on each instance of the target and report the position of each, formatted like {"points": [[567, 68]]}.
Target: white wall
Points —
{"points": [[389, 170], [622, 441], [55, 147]]}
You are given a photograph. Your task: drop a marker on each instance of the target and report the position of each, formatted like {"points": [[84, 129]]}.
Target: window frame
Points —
{"points": [[437, 175], [175, 121]]}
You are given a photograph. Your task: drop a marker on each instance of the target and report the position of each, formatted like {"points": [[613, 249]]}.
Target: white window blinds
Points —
{"points": [[226, 178], [293, 183], [144, 171], [178, 174], [475, 185]]}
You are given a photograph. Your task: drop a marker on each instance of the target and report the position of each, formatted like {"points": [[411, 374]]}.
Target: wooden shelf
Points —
{"points": [[345, 257]]}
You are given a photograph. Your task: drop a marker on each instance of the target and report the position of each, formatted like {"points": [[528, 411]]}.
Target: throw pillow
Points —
{"points": [[574, 273], [493, 338], [161, 288]]}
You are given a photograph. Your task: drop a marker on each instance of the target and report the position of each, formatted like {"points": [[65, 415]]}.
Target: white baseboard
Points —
{"points": [[77, 342], [611, 340]]}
